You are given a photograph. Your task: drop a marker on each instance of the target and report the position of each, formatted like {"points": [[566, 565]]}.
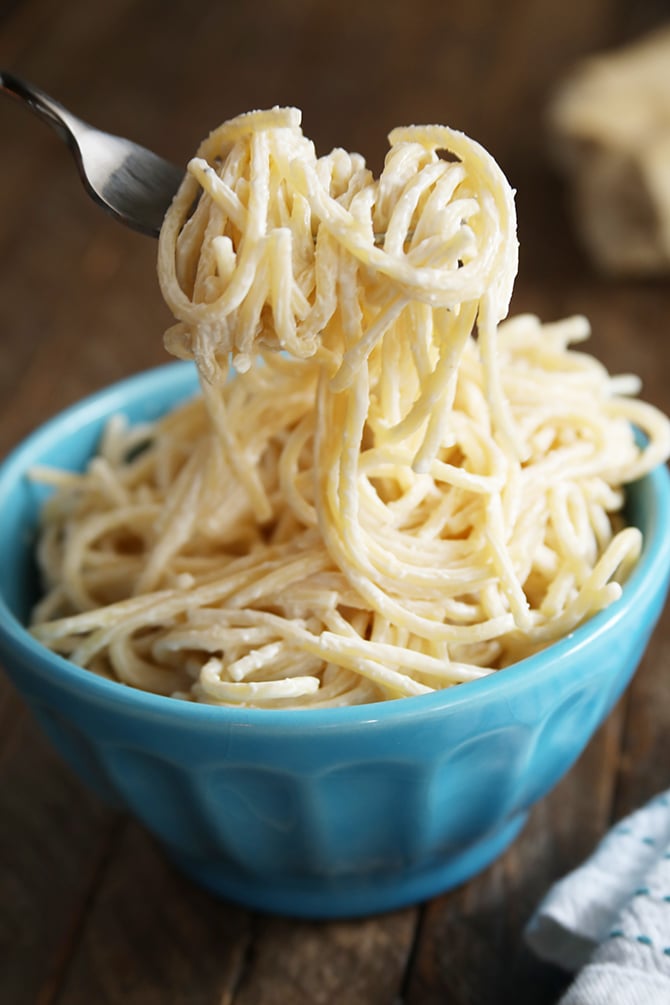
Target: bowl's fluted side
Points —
{"points": [[364, 814]]}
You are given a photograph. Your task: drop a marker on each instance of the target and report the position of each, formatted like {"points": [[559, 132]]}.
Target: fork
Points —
{"points": [[129, 181]]}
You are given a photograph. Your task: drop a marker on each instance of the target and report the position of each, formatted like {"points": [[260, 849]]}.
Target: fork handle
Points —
{"points": [[44, 106]]}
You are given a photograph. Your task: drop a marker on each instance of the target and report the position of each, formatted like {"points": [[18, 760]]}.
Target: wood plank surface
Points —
{"points": [[90, 910]]}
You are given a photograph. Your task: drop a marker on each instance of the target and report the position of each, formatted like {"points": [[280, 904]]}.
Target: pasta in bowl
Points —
{"points": [[409, 553], [410, 495]]}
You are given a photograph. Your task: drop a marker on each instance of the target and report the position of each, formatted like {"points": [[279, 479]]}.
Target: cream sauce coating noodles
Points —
{"points": [[412, 494]]}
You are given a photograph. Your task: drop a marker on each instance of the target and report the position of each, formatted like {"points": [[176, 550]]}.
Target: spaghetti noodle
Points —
{"points": [[412, 494]]}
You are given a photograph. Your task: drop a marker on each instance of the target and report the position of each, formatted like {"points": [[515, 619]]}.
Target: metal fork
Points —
{"points": [[130, 182]]}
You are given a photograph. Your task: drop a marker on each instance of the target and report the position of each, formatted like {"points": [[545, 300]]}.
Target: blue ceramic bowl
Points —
{"points": [[320, 813]]}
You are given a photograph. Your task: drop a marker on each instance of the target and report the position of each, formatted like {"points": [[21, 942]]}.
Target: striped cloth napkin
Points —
{"points": [[609, 920]]}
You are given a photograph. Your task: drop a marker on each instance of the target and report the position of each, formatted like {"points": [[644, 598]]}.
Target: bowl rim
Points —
{"points": [[179, 379]]}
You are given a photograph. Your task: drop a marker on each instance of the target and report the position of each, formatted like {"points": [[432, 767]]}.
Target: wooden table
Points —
{"points": [[90, 911]]}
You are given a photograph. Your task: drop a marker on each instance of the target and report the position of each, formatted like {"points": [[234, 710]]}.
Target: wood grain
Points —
{"points": [[90, 911]]}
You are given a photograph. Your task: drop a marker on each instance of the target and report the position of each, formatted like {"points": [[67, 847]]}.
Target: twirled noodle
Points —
{"points": [[412, 495]]}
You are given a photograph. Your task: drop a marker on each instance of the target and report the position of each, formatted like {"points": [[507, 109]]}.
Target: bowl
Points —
{"points": [[326, 812]]}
